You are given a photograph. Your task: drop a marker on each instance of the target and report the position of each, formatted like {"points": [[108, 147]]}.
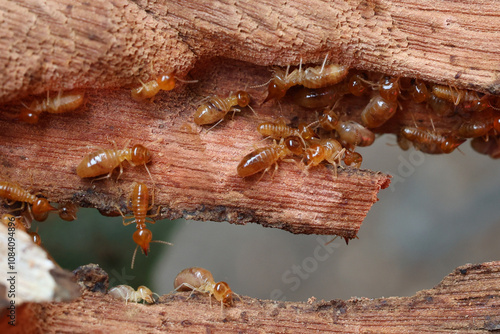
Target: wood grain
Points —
{"points": [[467, 300], [194, 169], [58, 44]]}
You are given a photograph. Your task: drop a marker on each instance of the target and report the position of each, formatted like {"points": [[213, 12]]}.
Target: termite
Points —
{"points": [[106, 160], [127, 293], [327, 149], [477, 105], [295, 144], [67, 211], [262, 159], [353, 159], [149, 89], [216, 108], [139, 204], [389, 88], [13, 192], [319, 98], [201, 280], [311, 77], [419, 91], [378, 111], [454, 95], [63, 102], [479, 125], [440, 106], [431, 142], [12, 221], [350, 132], [357, 85], [355, 134], [279, 130], [489, 147]]}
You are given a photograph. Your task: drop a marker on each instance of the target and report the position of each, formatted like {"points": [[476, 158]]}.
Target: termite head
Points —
{"points": [[28, 116], [353, 159], [450, 144], [146, 294], [140, 155], [142, 238], [41, 205], [315, 154], [295, 145], [35, 237], [275, 90], [306, 131], [166, 81], [243, 98], [223, 293], [329, 120]]}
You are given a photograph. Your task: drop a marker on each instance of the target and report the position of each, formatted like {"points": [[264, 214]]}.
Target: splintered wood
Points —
{"points": [[194, 169], [466, 300], [60, 44]]}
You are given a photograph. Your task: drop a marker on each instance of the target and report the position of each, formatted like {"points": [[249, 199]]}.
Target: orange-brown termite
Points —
{"points": [[489, 147], [319, 98], [63, 102], [418, 91], [431, 142], [311, 77], [201, 280], [279, 130], [350, 132], [355, 134], [262, 159], [327, 149], [378, 111], [440, 106], [454, 95], [14, 192], [480, 124], [353, 159], [216, 108], [67, 211], [15, 222], [139, 204], [149, 89], [104, 161], [127, 293]]}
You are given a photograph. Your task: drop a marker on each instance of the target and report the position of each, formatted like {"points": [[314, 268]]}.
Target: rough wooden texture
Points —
{"points": [[467, 300], [60, 44], [101, 45], [194, 169]]}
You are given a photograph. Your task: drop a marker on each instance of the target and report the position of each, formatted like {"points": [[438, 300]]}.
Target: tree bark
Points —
{"points": [[467, 300]]}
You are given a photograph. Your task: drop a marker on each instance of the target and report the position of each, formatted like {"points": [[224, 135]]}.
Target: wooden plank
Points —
{"points": [[467, 300]]}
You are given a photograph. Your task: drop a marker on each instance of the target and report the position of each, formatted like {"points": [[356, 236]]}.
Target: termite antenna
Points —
{"points": [[329, 242], [133, 257], [252, 110], [262, 85], [213, 126], [186, 81], [324, 63], [162, 242], [433, 127]]}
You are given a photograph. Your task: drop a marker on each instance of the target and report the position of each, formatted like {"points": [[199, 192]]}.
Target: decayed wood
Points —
{"points": [[55, 45], [467, 300], [60, 44], [194, 169]]}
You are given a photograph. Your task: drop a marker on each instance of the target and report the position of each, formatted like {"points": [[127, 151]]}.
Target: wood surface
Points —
{"points": [[106, 47], [466, 301]]}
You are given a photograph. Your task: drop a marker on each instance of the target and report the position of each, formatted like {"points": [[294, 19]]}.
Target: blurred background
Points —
{"points": [[439, 212]]}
